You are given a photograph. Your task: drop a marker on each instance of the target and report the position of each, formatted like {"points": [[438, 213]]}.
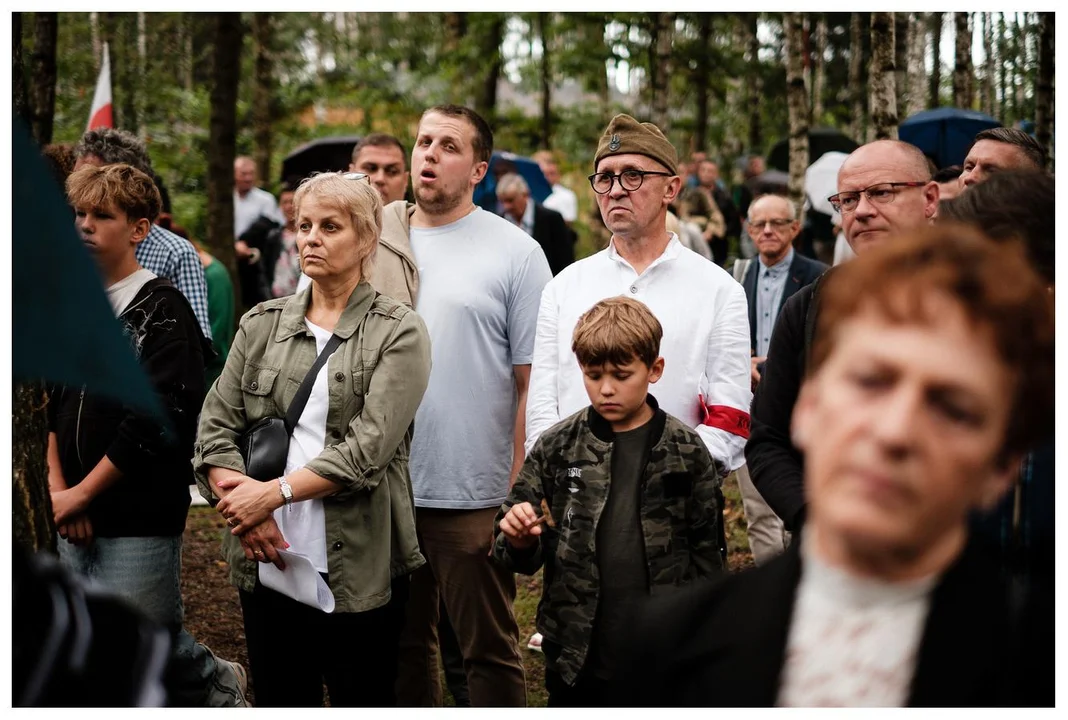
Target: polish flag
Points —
{"points": [[100, 114]]}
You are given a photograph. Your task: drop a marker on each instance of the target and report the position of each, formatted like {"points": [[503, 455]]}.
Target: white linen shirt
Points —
{"points": [[705, 348]]}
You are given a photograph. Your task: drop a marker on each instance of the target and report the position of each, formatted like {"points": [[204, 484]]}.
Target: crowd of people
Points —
{"points": [[436, 396]]}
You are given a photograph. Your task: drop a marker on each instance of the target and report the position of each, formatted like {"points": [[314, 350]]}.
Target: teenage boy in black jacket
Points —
{"points": [[119, 480]]}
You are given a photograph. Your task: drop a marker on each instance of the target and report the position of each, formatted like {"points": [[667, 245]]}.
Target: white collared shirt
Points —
{"points": [[564, 202], [771, 283], [526, 223], [705, 319]]}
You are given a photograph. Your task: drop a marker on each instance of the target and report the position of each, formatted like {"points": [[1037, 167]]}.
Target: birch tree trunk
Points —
{"points": [[142, 72], [856, 85], [797, 104], [934, 82], [43, 75], [1021, 64], [1044, 82], [753, 84], [1003, 87], [963, 94], [94, 32], [901, 59], [819, 68], [989, 75], [882, 94], [262, 90], [917, 71]]}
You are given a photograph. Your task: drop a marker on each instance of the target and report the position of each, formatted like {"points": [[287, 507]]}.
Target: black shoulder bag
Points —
{"points": [[265, 446]]}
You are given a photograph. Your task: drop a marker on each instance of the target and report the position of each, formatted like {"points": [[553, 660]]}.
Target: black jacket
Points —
{"points": [[773, 461], [722, 643], [152, 496], [803, 271], [555, 238]]}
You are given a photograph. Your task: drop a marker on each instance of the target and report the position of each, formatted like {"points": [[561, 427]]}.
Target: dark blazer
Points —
{"points": [[555, 238], [722, 643], [803, 271]]}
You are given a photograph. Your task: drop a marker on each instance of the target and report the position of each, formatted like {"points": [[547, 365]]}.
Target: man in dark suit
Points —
{"points": [[544, 225], [771, 278], [929, 379]]}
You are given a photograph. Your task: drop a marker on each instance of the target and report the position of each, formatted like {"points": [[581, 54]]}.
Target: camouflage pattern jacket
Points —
{"points": [[570, 468]]}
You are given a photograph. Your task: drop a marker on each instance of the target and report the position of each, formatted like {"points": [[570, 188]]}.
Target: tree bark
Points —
{"points": [[1003, 86], [882, 94], [46, 29], [546, 77], [963, 92], [987, 96], [486, 103], [32, 524], [935, 80], [188, 59], [753, 84], [141, 101], [819, 69], [797, 104], [664, 35], [20, 103], [98, 48], [1044, 82], [262, 90], [901, 59], [917, 72], [701, 79], [222, 137], [856, 81]]}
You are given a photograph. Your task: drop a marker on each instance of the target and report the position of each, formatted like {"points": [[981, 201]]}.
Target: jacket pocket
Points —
{"points": [[257, 385]]}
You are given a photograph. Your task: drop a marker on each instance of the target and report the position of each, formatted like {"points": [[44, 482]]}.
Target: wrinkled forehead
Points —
{"points": [[629, 161]]}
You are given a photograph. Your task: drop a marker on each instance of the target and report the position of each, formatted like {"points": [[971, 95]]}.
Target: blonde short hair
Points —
{"points": [[356, 197], [119, 186], [617, 330]]}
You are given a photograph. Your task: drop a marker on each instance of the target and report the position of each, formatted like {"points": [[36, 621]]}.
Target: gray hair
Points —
{"points": [[115, 146], [512, 183]]}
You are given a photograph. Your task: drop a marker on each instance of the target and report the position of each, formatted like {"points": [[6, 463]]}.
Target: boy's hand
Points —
{"points": [[522, 526]]}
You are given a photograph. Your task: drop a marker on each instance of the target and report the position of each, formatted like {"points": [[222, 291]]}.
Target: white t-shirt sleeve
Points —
{"points": [[527, 285], [727, 390], [543, 409]]}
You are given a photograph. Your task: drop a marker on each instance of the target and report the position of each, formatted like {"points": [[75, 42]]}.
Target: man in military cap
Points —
{"points": [[701, 308]]}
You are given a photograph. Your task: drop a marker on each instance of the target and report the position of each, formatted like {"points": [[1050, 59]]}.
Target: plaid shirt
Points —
{"points": [[172, 257]]}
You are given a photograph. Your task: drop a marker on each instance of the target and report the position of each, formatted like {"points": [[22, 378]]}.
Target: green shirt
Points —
{"points": [[220, 315]]}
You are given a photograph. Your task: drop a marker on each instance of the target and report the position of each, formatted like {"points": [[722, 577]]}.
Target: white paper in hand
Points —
{"points": [[300, 581]]}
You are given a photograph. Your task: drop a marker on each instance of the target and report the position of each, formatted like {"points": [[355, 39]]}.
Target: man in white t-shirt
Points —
{"points": [[703, 311], [250, 201], [480, 278]]}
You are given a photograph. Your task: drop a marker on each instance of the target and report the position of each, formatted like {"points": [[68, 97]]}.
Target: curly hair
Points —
{"points": [[115, 146]]}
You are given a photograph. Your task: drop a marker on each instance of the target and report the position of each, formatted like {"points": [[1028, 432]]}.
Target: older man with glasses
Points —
{"points": [[884, 189], [701, 308]]}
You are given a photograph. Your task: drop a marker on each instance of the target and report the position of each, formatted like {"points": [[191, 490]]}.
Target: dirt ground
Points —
{"points": [[213, 611]]}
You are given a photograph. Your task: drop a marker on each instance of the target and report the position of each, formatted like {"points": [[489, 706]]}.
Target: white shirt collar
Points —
{"points": [[672, 251]]}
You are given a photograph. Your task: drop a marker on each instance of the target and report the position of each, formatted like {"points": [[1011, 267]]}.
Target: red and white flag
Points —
{"points": [[100, 114]]}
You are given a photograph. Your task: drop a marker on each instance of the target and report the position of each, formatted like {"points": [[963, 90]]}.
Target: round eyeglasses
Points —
{"points": [[629, 180]]}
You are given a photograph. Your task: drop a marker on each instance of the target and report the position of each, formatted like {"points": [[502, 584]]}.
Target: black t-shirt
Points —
{"points": [[620, 551]]}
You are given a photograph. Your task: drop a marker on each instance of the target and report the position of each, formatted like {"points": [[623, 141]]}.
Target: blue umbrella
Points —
{"points": [[500, 164], [945, 134]]}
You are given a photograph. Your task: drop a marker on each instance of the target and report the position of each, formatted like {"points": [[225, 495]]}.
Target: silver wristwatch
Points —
{"points": [[286, 490]]}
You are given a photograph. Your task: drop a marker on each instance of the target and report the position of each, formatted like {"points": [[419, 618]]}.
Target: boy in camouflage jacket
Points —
{"points": [[616, 501]]}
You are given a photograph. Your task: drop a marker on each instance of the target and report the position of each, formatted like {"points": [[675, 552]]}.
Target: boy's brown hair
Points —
{"points": [[617, 330], [118, 186], [993, 283]]}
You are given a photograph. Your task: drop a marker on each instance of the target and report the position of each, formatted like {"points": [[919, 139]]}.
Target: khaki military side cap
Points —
{"points": [[625, 135]]}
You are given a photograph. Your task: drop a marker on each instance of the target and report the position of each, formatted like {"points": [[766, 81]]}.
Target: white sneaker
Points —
{"points": [[535, 642]]}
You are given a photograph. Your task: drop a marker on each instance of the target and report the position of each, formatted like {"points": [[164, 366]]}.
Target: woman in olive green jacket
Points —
{"points": [[345, 500]]}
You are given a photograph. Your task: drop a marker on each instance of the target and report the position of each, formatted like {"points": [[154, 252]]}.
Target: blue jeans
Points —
{"points": [[147, 571]]}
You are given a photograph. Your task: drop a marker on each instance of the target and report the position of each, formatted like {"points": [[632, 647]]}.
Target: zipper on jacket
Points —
{"points": [[78, 429]]}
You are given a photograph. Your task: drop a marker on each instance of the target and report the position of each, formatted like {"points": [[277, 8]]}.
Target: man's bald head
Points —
{"points": [[907, 198], [244, 174]]}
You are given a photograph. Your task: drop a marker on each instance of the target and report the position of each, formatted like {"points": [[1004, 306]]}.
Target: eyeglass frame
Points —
{"points": [[776, 223], [619, 177], [836, 202]]}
